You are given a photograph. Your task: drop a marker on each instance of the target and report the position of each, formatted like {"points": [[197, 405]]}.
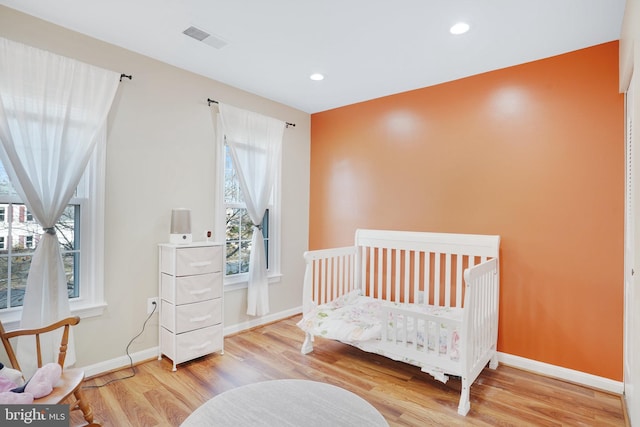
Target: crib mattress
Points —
{"points": [[354, 317]]}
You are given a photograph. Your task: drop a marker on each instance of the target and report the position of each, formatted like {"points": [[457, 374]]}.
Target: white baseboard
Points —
{"points": [[120, 362], [561, 373], [263, 320], [150, 353]]}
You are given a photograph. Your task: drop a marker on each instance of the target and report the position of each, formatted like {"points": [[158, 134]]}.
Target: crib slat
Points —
{"points": [[372, 264], [320, 280], [348, 270], [487, 309], [407, 274], [447, 280], [427, 278], [459, 279], [332, 277], [379, 272], [436, 279], [347, 275], [361, 264], [333, 284], [417, 257], [356, 278], [314, 280], [371, 280], [388, 278], [340, 282], [344, 283], [396, 282], [340, 287]]}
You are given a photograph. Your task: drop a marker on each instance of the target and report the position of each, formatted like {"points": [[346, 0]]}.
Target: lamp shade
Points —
{"points": [[180, 226]]}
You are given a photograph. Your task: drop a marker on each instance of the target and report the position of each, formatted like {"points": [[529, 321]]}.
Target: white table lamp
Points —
{"points": [[180, 227]]}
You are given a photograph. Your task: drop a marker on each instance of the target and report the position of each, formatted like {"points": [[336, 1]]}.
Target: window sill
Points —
{"points": [[11, 320], [241, 283]]}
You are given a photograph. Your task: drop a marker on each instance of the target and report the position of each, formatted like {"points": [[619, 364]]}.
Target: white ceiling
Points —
{"points": [[365, 48]]}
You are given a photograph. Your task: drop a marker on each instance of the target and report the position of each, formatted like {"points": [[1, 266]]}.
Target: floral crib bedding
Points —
{"points": [[355, 318]]}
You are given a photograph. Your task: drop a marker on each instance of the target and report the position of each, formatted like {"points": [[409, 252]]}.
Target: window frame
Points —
{"points": [[90, 197], [240, 281]]}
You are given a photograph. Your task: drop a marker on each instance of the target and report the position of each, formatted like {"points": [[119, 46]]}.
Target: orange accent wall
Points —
{"points": [[534, 153]]}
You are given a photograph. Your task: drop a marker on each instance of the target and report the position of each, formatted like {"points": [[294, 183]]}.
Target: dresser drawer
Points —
{"points": [[191, 288], [191, 344], [191, 316], [191, 260]]}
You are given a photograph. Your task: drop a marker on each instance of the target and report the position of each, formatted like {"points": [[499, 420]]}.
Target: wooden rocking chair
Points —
{"points": [[70, 383]]}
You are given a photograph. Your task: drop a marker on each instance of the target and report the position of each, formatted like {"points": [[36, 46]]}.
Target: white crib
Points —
{"points": [[428, 299]]}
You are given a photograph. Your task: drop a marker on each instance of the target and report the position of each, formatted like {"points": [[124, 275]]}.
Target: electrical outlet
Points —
{"points": [[151, 303]]}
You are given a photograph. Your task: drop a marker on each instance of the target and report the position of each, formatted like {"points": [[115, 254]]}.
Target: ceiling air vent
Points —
{"points": [[204, 37]]}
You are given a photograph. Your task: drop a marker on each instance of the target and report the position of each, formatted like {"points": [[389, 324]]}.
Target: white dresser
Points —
{"points": [[191, 300]]}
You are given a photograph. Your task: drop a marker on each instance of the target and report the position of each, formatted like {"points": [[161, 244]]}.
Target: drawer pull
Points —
{"points": [[200, 264], [200, 319], [200, 291], [201, 346]]}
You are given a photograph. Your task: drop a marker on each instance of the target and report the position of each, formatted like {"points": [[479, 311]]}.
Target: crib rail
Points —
{"points": [[401, 267], [480, 331], [420, 267], [329, 274], [431, 341]]}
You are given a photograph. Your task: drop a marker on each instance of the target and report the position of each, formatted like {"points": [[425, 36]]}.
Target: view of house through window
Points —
{"points": [[19, 236], [239, 229]]}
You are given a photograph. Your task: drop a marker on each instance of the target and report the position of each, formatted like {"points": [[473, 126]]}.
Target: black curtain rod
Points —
{"points": [[124, 76], [213, 101]]}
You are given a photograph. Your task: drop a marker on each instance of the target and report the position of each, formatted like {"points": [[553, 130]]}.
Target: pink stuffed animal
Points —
{"points": [[12, 375], [6, 384], [40, 385], [44, 380]]}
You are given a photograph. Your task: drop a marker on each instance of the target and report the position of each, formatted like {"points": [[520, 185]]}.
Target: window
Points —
{"points": [[79, 231], [239, 229], [37, 114], [238, 239]]}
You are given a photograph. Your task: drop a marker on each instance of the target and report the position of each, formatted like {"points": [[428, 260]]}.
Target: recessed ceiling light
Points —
{"points": [[459, 28], [316, 76]]}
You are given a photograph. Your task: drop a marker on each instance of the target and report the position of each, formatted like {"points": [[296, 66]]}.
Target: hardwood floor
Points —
{"points": [[402, 393]]}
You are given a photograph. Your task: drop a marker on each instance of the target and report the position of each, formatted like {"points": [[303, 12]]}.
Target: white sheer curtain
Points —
{"points": [[255, 143], [53, 112]]}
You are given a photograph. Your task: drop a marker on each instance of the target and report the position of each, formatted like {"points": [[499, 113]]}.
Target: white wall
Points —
{"points": [[160, 155]]}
